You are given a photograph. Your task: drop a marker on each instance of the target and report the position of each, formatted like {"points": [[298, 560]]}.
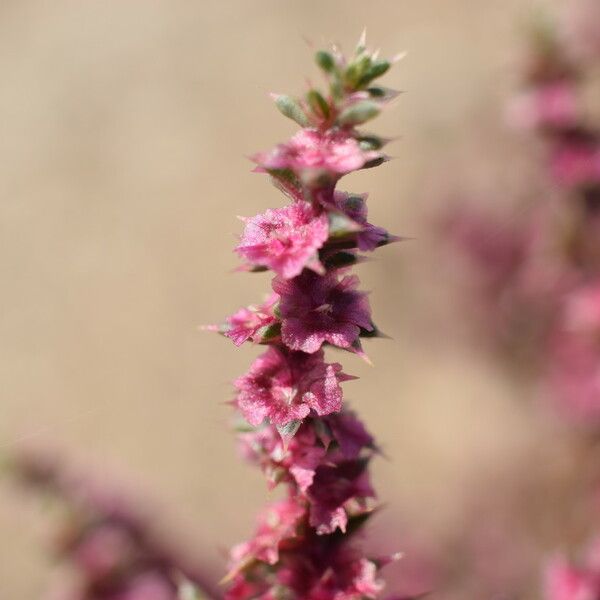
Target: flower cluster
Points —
{"points": [[111, 543], [296, 427], [539, 269]]}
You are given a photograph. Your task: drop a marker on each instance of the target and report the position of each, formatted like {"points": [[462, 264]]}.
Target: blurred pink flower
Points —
{"points": [[574, 362], [576, 162], [563, 581], [550, 105]]}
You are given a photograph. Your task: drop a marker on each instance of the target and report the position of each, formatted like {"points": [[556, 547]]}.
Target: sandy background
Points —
{"points": [[125, 127]]}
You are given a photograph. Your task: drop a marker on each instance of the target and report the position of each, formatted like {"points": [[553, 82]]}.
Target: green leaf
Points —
{"points": [[318, 103], [187, 591], [291, 109], [375, 70], [325, 61], [370, 142], [269, 332], [356, 70], [341, 259], [359, 113], [288, 431], [341, 225]]}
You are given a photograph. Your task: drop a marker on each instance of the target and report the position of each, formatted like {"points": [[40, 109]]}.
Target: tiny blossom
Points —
{"points": [[349, 433], [311, 154], [299, 456], [333, 486], [279, 521], [315, 310], [285, 239], [246, 323], [284, 386]]}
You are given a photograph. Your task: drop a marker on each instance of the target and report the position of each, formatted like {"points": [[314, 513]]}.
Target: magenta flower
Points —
{"points": [[334, 485], [315, 310], [283, 386], [349, 433], [248, 323], [293, 460], [278, 522], [314, 155], [313, 568], [285, 239]]}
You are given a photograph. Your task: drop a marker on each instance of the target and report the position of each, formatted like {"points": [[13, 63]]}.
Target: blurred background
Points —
{"points": [[125, 131]]}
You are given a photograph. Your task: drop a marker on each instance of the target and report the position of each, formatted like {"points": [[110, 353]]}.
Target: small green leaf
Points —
{"points": [[341, 225], [370, 142], [288, 431], [359, 113], [341, 259], [291, 109], [187, 591], [356, 70], [377, 92], [375, 70], [269, 332], [318, 103], [325, 61]]}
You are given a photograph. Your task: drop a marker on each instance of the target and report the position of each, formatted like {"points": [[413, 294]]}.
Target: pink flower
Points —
{"points": [[334, 485], [318, 568], [315, 310], [293, 460], [349, 433], [284, 386], [103, 549], [285, 239], [574, 360], [553, 104], [576, 163], [146, 586], [565, 582], [582, 310], [246, 323], [278, 522], [311, 154]]}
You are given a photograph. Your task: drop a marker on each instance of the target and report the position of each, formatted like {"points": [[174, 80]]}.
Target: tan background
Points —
{"points": [[125, 126]]}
